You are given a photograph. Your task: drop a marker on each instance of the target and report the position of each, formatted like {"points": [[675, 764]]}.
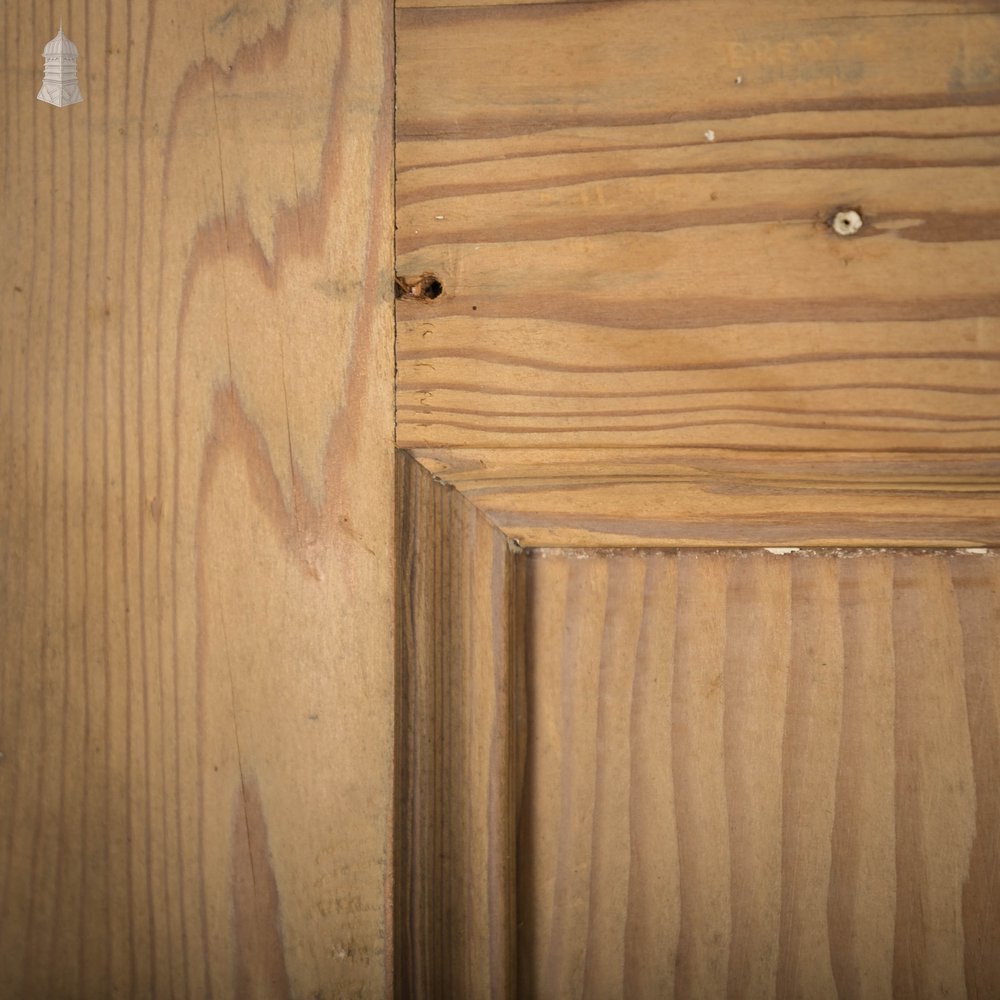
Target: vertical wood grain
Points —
{"points": [[978, 599], [195, 508], [696, 728], [810, 740], [935, 796], [862, 901], [460, 598], [760, 775]]}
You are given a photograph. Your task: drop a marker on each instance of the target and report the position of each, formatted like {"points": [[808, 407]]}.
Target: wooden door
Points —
{"points": [[682, 678], [699, 615]]}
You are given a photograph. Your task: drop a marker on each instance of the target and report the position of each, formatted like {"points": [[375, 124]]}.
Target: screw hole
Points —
{"points": [[846, 222], [427, 286]]}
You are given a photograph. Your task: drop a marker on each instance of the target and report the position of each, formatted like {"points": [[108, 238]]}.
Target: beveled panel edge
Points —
{"points": [[650, 498]]}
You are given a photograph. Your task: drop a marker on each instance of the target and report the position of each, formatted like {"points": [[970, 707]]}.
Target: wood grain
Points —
{"points": [[627, 206], [461, 634], [642, 497], [760, 775], [196, 664], [746, 773]]}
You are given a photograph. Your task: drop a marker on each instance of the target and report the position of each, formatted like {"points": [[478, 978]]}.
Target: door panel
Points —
{"points": [[748, 771], [760, 775], [747, 465]]}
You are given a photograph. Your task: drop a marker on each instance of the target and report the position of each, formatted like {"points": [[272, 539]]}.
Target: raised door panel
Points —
{"points": [[760, 775], [650, 772]]}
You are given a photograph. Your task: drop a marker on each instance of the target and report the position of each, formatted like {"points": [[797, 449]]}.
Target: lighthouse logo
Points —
{"points": [[60, 86]]}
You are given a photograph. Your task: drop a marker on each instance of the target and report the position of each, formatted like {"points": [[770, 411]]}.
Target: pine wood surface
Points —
{"points": [[196, 666], [758, 775], [627, 206], [461, 633], [638, 497], [745, 773]]}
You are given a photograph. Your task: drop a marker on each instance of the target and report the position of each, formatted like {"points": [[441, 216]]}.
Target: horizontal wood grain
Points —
{"points": [[640, 497], [460, 600], [760, 775], [196, 595], [627, 205], [402, 4]]}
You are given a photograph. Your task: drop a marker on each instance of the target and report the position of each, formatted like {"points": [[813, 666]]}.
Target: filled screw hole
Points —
{"points": [[427, 286], [846, 221]]}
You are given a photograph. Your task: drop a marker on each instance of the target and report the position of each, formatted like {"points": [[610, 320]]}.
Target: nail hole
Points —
{"points": [[427, 286], [846, 222]]}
